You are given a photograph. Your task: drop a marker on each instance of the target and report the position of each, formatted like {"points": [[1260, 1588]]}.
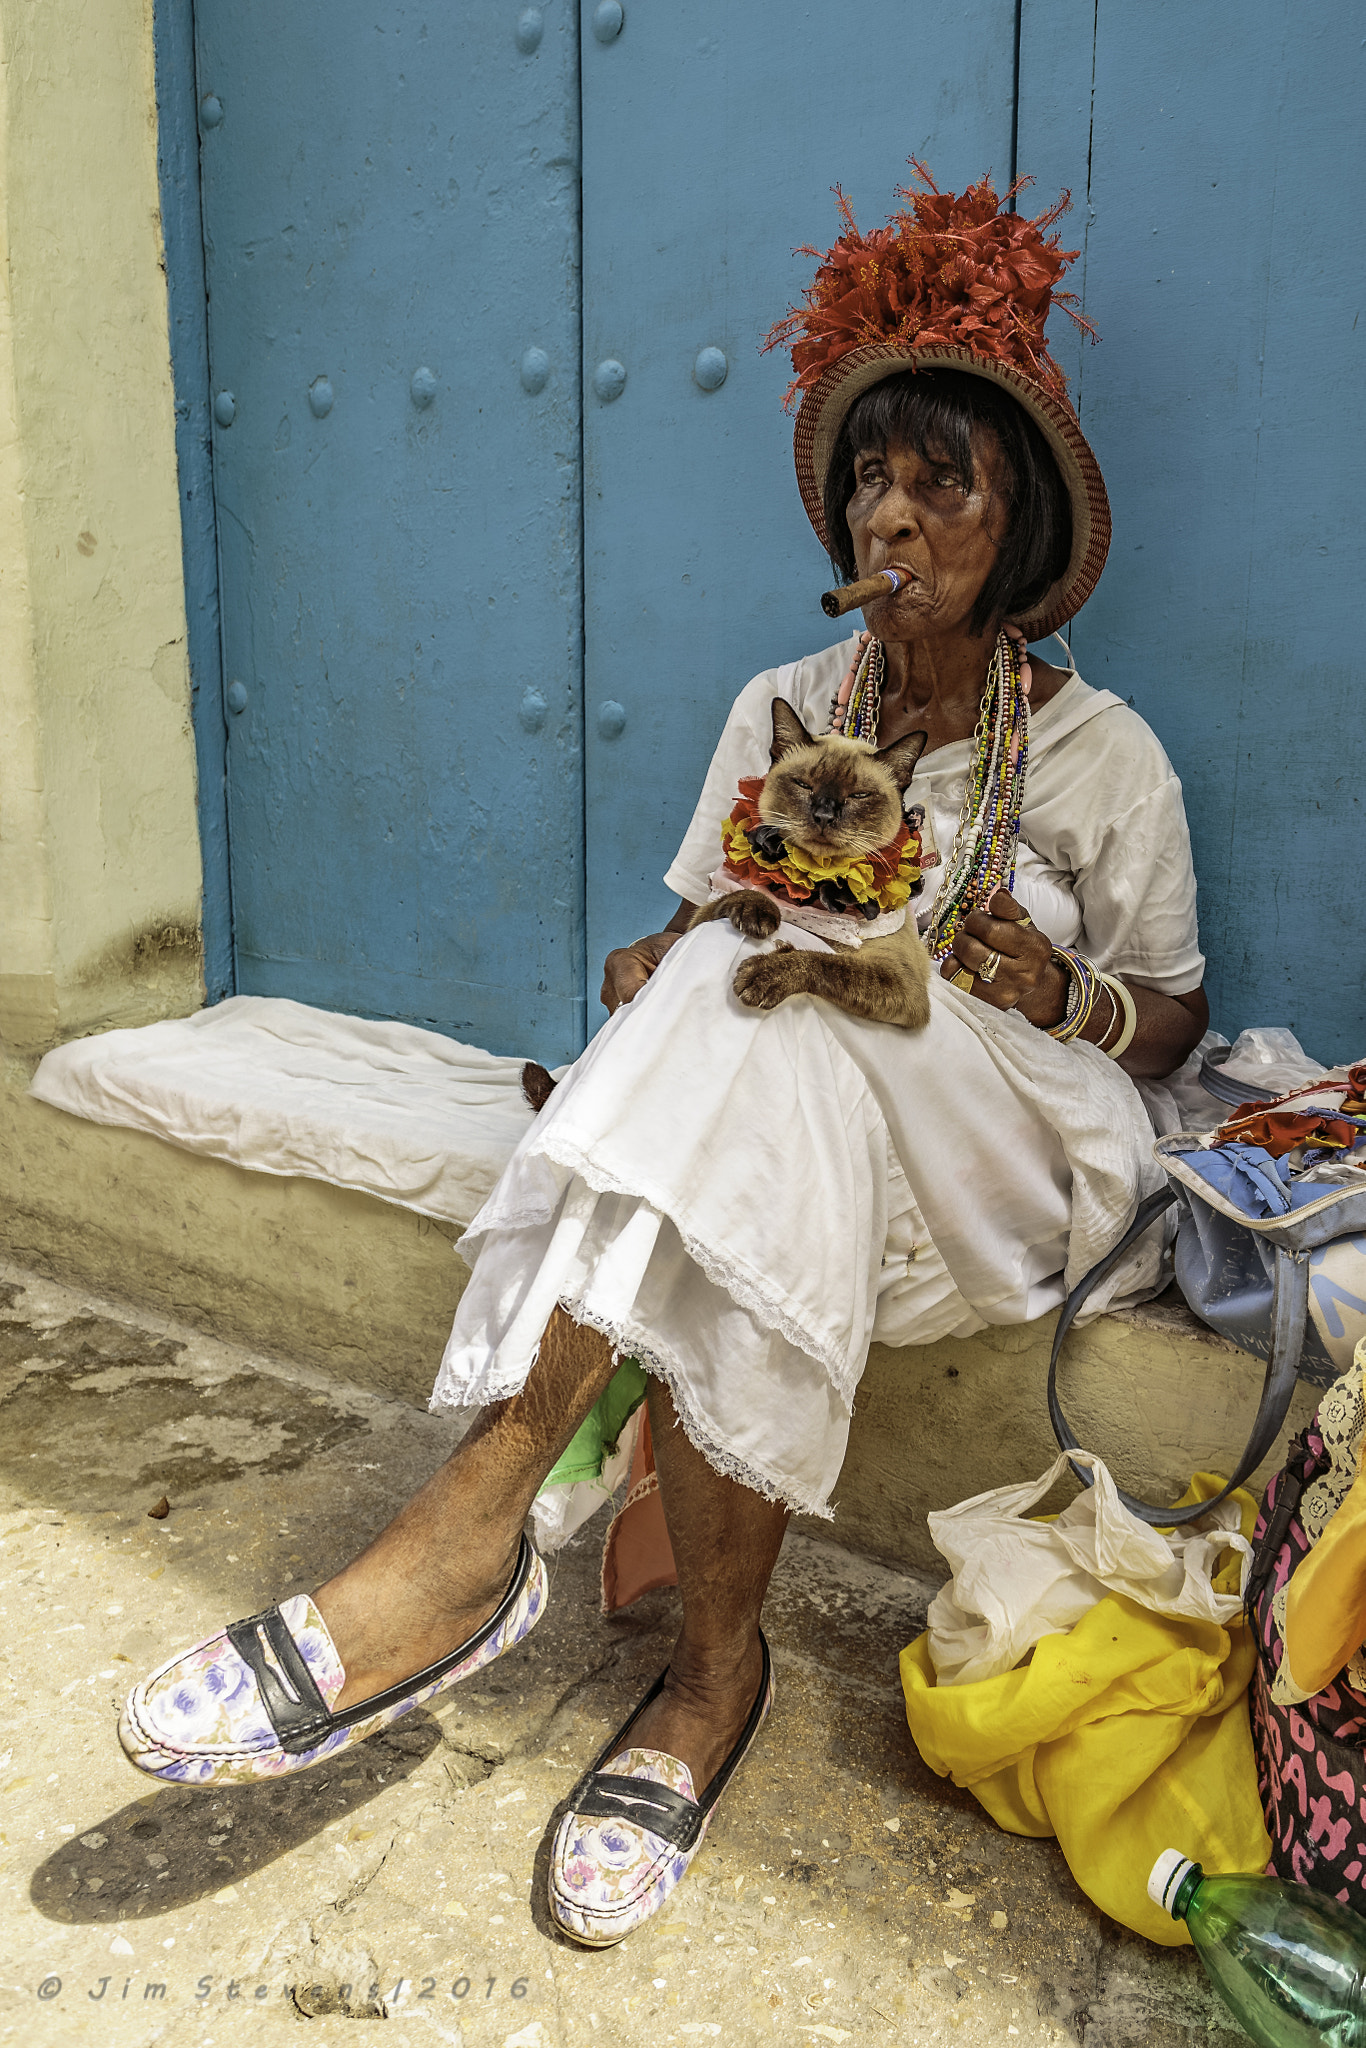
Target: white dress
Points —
{"points": [[744, 1200]]}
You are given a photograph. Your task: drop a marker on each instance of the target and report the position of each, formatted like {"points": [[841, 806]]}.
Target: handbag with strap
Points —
{"points": [[1274, 1262]]}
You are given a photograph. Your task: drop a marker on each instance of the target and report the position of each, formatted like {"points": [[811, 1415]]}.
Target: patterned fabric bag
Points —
{"points": [[1270, 1245], [1311, 1753]]}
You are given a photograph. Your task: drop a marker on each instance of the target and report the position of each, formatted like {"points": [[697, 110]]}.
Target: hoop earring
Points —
{"points": [[1066, 647]]}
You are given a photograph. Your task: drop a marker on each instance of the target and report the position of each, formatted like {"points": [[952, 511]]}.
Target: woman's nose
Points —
{"points": [[893, 516]]}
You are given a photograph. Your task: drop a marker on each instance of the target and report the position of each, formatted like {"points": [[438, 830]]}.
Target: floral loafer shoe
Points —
{"points": [[633, 1829], [256, 1700]]}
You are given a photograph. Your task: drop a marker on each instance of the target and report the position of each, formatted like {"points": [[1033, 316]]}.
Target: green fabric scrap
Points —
{"points": [[596, 1436]]}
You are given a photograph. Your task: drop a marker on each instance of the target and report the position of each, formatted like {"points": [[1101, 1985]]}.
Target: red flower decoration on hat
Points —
{"points": [[948, 271]]}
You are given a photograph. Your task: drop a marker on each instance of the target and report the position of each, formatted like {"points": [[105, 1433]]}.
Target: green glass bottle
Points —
{"points": [[1289, 1963]]}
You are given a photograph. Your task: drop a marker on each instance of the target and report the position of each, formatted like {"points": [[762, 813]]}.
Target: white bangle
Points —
{"points": [[1130, 1007]]}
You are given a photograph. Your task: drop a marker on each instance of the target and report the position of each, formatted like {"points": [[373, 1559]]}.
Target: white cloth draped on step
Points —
{"points": [[742, 1200], [274, 1086]]}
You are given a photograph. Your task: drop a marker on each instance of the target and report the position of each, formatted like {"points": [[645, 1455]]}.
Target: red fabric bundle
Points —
{"points": [[1279, 1131]]}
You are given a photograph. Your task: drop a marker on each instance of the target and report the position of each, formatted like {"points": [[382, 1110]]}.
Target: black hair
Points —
{"points": [[934, 412]]}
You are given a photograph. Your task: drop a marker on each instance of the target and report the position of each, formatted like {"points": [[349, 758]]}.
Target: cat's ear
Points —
{"points": [[788, 731], [900, 758]]}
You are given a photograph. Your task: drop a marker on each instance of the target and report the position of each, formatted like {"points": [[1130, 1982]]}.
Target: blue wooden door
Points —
{"points": [[712, 135], [479, 636], [1218, 160], [390, 207]]}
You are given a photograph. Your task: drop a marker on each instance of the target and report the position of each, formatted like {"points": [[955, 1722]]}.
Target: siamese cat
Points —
{"points": [[836, 799]]}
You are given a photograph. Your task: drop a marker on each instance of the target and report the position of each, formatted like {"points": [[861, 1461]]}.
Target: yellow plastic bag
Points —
{"points": [[1125, 1736]]}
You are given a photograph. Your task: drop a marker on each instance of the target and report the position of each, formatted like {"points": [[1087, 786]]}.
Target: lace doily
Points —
{"points": [[1340, 1422]]}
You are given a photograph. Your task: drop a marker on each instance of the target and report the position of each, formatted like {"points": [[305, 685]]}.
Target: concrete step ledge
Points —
{"points": [[365, 1290]]}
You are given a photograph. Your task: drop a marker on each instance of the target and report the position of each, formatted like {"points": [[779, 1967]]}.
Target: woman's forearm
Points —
{"points": [[1169, 1029]]}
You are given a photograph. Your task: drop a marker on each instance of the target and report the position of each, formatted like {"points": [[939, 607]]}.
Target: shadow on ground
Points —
{"points": [[134, 1863]]}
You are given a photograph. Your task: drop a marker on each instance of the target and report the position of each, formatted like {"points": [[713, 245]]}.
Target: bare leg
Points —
{"points": [[726, 1540], [430, 1579]]}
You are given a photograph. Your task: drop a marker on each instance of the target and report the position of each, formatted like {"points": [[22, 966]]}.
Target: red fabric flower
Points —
{"points": [[948, 271], [1354, 1101]]}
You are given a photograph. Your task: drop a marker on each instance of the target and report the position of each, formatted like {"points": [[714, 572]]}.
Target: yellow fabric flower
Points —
{"points": [[803, 872]]}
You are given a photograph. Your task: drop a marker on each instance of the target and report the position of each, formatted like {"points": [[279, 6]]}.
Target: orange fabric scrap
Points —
{"points": [[1279, 1131]]}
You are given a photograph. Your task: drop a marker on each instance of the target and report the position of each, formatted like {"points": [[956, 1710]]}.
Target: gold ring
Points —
{"points": [[962, 979], [1026, 920], [988, 970]]}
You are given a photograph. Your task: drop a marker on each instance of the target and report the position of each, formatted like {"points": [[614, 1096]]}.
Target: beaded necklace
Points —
{"points": [[983, 856]]}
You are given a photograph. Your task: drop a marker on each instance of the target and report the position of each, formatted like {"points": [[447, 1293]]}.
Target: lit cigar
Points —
{"points": [[886, 583]]}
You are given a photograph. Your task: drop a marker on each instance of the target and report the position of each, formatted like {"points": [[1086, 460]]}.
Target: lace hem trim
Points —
{"points": [[746, 1289], [628, 1338], [634, 1341], [1284, 1690]]}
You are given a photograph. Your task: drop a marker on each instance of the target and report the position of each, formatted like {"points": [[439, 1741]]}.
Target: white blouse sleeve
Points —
{"points": [[1115, 819], [743, 749], [1137, 896]]}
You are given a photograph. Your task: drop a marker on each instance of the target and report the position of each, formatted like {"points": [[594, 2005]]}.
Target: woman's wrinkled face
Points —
{"points": [[911, 512]]}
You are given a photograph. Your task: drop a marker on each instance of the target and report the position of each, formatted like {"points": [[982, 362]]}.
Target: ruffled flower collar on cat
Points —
{"points": [[758, 857]]}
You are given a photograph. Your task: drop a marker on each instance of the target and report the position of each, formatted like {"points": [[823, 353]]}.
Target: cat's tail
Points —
{"points": [[537, 1084]]}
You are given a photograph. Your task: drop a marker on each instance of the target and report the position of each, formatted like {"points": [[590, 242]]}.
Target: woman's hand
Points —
{"points": [[1024, 977], [1028, 980], [626, 971]]}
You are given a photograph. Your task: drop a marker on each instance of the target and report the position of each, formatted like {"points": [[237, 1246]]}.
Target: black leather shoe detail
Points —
{"points": [[302, 1721], [289, 1693], [604, 1795]]}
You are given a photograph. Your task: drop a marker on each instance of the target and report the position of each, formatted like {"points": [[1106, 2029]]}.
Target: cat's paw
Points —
{"points": [[766, 979], [755, 915]]}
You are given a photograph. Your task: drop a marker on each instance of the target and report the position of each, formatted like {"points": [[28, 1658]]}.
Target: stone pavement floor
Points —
{"points": [[844, 1893]]}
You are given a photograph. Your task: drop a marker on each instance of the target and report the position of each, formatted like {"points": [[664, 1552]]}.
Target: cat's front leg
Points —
{"points": [[882, 989], [752, 913], [763, 980]]}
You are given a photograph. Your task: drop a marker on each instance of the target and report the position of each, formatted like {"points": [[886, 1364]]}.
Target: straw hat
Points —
{"points": [[951, 282]]}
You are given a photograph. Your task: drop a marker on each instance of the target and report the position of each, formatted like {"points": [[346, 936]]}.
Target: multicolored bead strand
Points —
{"points": [[983, 856], [858, 701]]}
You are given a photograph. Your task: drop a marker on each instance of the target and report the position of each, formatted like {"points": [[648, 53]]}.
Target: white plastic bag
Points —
{"points": [[1015, 1580], [1266, 1055]]}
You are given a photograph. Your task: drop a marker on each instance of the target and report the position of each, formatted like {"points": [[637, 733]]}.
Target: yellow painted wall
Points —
{"points": [[99, 842]]}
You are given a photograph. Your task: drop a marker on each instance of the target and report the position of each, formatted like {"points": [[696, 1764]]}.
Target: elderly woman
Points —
{"points": [[741, 1193]]}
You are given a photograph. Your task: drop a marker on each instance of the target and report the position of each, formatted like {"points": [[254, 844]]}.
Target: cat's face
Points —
{"points": [[834, 796]]}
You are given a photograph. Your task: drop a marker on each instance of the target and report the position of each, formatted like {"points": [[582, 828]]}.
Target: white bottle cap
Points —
{"points": [[1168, 1871]]}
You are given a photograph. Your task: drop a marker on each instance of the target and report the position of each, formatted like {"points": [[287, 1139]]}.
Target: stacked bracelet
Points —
{"points": [[1084, 984], [1082, 990], [1125, 1002]]}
